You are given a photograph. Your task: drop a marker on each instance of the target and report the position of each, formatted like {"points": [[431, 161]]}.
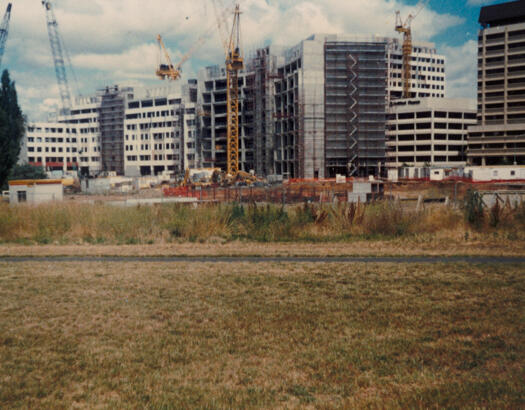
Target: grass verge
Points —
{"points": [[69, 223], [267, 335]]}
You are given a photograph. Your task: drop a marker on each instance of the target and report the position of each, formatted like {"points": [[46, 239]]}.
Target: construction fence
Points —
{"points": [[282, 194]]}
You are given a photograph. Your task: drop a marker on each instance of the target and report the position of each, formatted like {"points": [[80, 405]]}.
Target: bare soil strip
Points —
{"points": [[416, 247], [279, 259]]}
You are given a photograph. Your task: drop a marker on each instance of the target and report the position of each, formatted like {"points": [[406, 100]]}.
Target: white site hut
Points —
{"points": [[35, 191]]}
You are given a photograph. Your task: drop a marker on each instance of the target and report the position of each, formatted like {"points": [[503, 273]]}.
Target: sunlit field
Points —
{"points": [[240, 335]]}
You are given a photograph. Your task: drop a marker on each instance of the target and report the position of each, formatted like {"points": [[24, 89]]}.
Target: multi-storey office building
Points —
{"points": [[428, 132], [131, 132], [52, 145], [84, 121], [499, 136], [320, 106], [211, 99], [427, 70]]}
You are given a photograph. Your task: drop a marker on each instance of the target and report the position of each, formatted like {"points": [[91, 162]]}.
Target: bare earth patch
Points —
{"points": [[271, 335]]}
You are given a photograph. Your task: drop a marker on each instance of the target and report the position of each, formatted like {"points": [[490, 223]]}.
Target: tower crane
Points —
{"points": [[234, 63], [404, 27], [4, 29], [166, 70], [57, 48]]}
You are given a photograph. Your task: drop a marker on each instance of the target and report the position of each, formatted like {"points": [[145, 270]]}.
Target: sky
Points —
{"points": [[114, 41]]}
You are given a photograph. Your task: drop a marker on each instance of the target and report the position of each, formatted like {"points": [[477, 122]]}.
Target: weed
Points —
{"points": [[103, 224], [473, 208], [495, 214]]}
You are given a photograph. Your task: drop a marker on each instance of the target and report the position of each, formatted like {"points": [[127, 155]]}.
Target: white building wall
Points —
{"points": [[427, 70], [153, 135], [52, 145], [312, 102], [37, 193], [429, 132]]}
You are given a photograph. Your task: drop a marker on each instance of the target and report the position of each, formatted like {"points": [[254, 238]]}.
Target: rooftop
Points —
{"points": [[512, 12]]}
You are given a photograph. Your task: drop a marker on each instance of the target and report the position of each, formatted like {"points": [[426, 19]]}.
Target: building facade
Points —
{"points": [[52, 145], [129, 131], [318, 108], [313, 110], [211, 102], [499, 136], [428, 132], [427, 69]]}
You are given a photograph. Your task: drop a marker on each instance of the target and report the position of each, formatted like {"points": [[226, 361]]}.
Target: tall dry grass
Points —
{"points": [[100, 223]]}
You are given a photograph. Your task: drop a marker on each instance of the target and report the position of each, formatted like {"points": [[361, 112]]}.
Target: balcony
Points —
{"points": [[516, 61], [515, 50]]}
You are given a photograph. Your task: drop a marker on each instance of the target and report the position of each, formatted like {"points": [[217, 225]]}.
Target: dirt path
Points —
{"points": [[265, 259]]}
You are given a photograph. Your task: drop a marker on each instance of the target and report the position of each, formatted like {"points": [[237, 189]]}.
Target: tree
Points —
{"points": [[11, 127], [27, 171]]}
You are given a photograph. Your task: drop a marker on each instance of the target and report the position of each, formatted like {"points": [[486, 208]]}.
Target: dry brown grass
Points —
{"points": [[158, 335], [431, 245], [66, 224]]}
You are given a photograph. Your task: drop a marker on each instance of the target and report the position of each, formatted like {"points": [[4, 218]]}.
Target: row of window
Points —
{"points": [[427, 137], [157, 103], [63, 131], [53, 149], [418, 85], [428, 125], [155, 147], [419, 68], [155, 136], [160, 157], [428, 114], [51, 139], [148, 125], [54, 159]]}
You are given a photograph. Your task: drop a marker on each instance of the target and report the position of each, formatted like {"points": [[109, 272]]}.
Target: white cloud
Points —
{"points": [[461, 66], [114, 41], [479, 2]]}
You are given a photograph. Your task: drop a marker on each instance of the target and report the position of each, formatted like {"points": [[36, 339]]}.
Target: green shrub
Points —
{"points": [[473, 208]]}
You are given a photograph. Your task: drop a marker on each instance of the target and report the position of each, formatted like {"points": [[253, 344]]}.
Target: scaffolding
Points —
{"points": [[111, 122], [355, 104]]}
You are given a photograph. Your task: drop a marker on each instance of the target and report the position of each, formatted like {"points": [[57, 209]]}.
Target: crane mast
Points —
{"points": [[4, 29], [234, 63], [406, 30], [58, 57], [407, 51]]}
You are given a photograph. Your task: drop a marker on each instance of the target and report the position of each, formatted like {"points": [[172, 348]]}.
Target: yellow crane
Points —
{"points": [[166, 69], [234, 63], [404, 27]]}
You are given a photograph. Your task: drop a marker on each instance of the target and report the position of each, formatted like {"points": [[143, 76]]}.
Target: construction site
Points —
{"points": [[300, 226], [316, 111]]}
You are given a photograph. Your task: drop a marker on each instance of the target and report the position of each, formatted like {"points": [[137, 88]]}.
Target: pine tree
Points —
{"points": [[11, 127]]}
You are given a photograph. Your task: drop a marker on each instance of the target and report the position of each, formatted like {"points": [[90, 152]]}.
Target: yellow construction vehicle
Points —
{"points": [[202, 177]]}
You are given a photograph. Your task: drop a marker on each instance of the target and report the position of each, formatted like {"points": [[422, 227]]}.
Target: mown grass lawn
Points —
{"points": [[223, 335]]}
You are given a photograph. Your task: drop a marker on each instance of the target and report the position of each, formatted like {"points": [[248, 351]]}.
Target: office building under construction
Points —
{"points": [[316, 109]]}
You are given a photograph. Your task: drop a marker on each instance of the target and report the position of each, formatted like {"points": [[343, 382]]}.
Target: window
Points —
{"points": [[22, 196]]}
